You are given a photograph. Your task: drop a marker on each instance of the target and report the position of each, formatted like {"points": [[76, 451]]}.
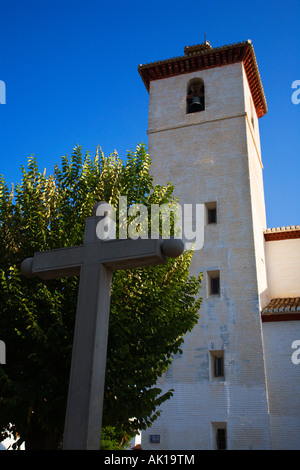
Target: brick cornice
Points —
{"points": [[282, 233]]}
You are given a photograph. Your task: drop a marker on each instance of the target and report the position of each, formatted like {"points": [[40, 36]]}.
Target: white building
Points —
{"points": [[235, 384]]}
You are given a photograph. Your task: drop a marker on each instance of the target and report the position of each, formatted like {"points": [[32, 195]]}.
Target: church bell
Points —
{"points": [[195, 105]]}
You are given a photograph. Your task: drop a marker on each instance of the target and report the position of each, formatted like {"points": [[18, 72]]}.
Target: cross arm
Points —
{"points": [[53, 264], [127, 254], [114, 254]]}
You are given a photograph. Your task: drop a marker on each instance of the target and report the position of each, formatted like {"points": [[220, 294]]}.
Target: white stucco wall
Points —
{"points": [[283, 268]]}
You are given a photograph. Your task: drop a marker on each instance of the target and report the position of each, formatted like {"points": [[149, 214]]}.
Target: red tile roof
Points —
{"points": [[282, 233], [282, 309]]}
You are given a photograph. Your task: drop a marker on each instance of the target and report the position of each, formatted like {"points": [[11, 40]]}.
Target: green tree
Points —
{"points": [[151, 308]]}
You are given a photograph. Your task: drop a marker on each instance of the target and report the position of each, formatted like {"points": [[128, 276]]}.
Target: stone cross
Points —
{"points": [[94, 261]]}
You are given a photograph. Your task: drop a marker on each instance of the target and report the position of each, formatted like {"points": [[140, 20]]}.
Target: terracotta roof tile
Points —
{"points": [[282, 233], [282, 309]]}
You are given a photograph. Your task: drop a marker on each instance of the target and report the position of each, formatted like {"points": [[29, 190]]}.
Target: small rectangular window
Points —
{"points": [[215, 285], [211, 212], [212, 216], [221, 439], [213, 282], [219, 435], [217, 365]]}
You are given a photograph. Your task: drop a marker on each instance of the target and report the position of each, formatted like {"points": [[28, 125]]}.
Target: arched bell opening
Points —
{"points": [[195, 96]]}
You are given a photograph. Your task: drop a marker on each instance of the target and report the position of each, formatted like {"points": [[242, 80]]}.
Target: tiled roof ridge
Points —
{"points": [[286, 308], [198, 52], [282, 309], [282, 229], [282, 233]]}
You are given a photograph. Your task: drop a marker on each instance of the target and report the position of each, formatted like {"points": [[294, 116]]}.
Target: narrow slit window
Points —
{"points": [[221, 439], [212, 216], [217, 365], [213, 280], [211, 212], [215, 285], [219, 435]]}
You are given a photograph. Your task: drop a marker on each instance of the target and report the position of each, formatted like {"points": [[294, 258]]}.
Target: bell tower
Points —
{"points": [[203, 135]]}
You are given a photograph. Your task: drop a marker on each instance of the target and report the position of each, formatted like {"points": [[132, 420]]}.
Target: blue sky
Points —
{"points": [[70, 69]]}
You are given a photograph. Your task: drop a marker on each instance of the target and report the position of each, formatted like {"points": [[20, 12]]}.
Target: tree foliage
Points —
{"points": [[151, 309]]}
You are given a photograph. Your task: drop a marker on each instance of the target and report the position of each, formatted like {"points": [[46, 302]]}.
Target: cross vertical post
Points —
{"points": [[87, 377]]}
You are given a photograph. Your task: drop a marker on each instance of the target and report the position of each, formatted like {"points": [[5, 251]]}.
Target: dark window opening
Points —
{"points": [[212, 216], [219, 367], [216, 360], [195, 96], [215, 285], [221, 439], [211, 212]]}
